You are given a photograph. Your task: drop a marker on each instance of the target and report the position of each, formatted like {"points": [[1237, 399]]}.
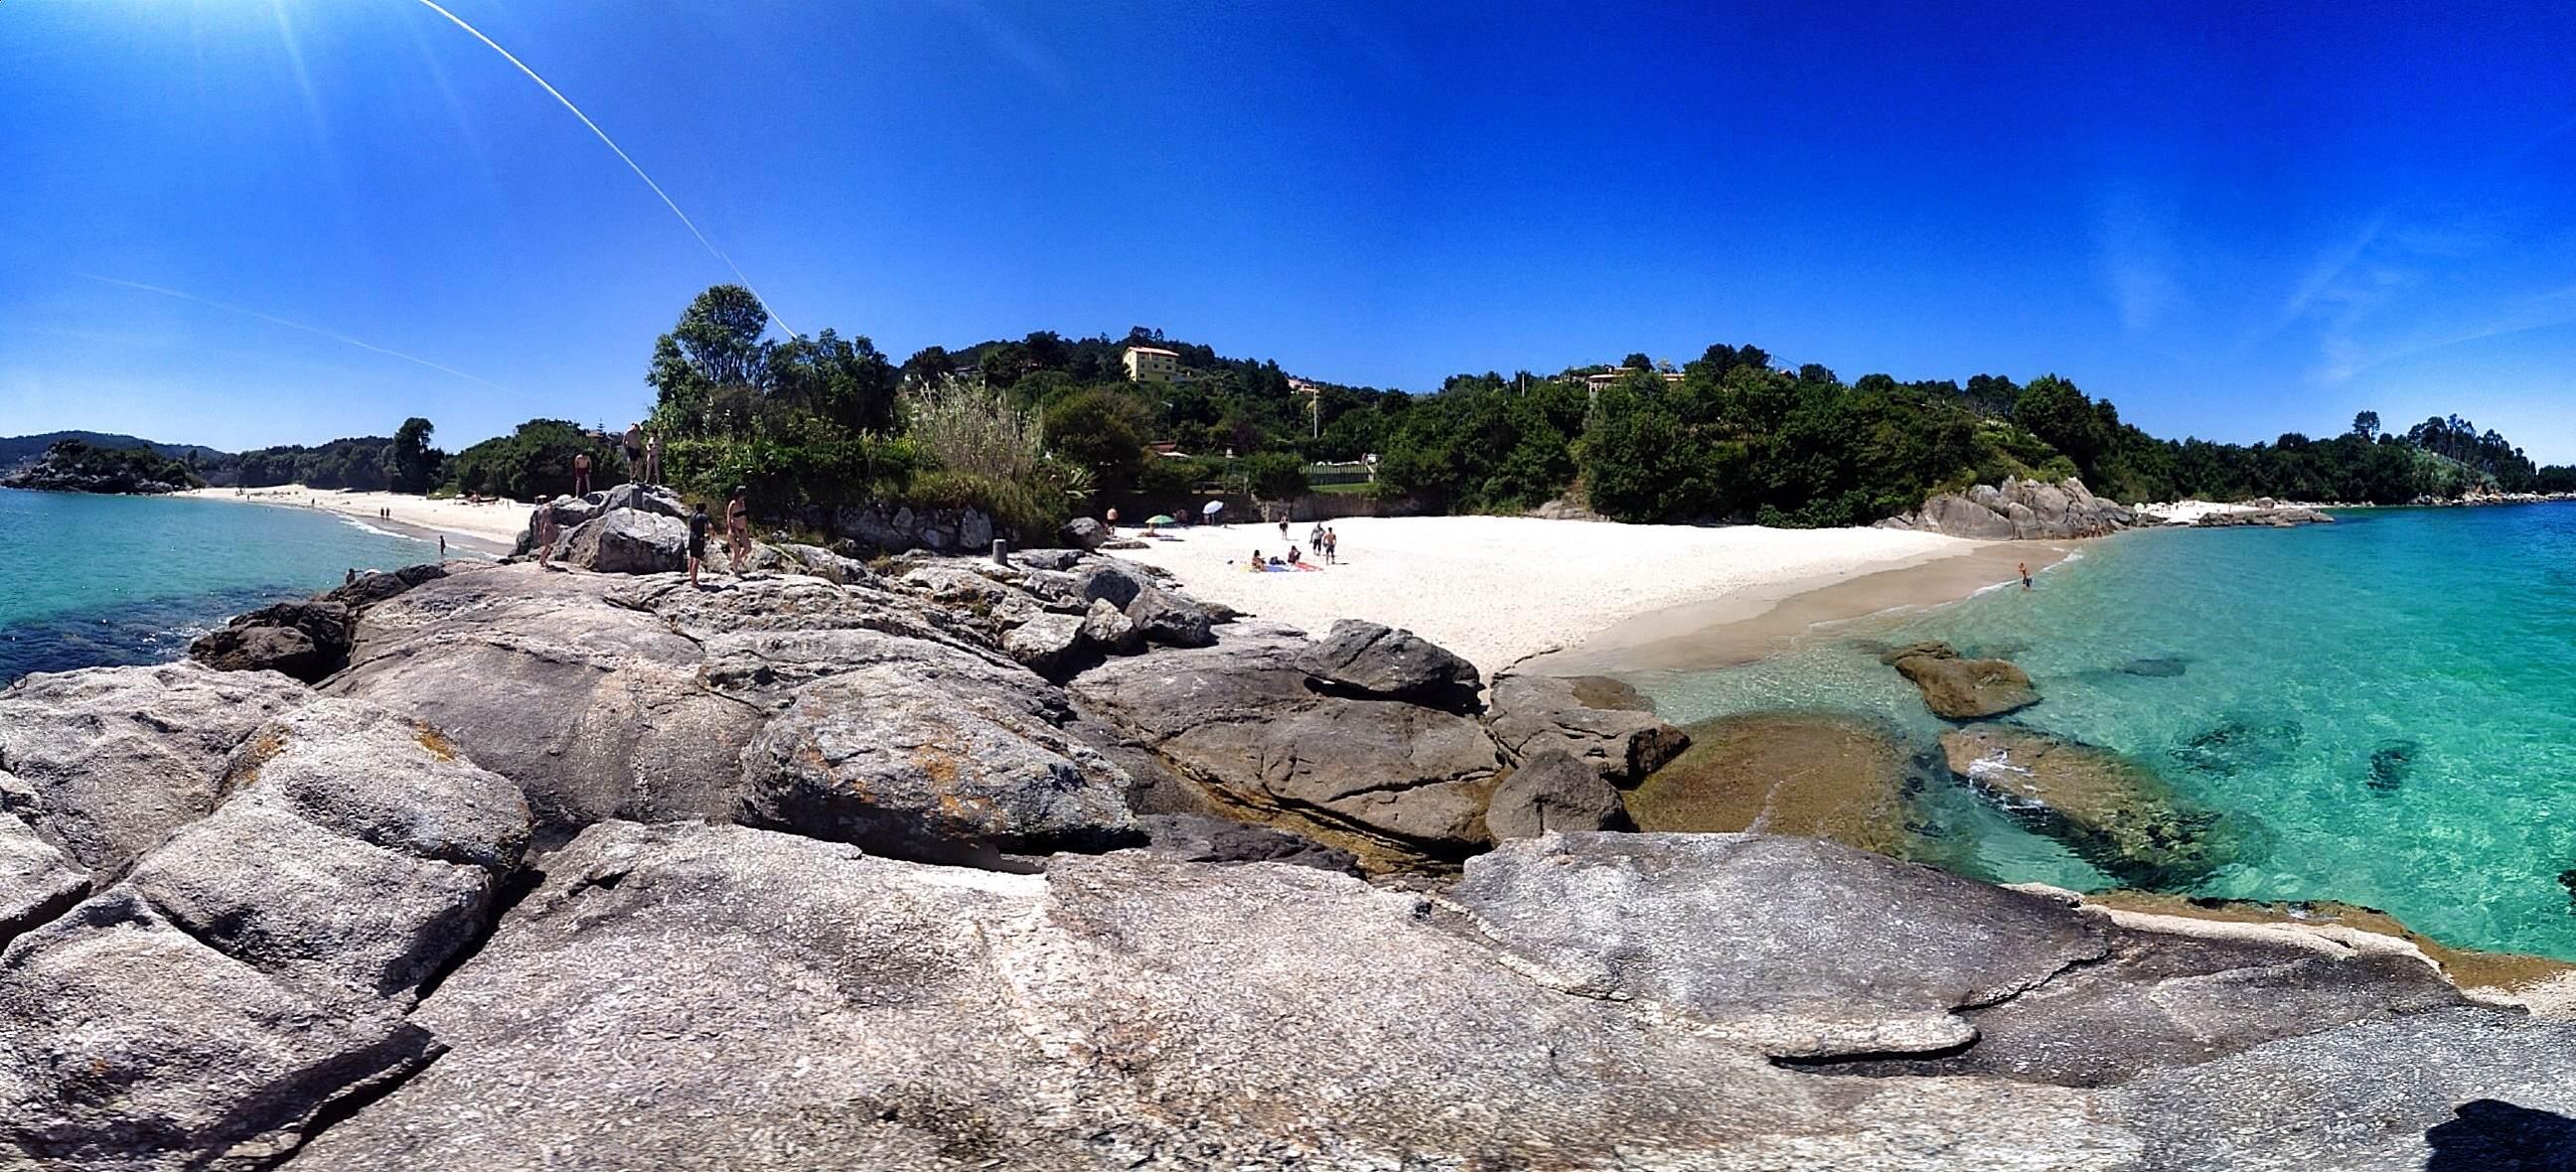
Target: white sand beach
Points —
{"points": [[483, 525], [1500, 589]]}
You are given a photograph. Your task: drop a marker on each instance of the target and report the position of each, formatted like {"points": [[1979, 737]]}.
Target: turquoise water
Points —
{"points": [[92, 580], [2392, 699]]}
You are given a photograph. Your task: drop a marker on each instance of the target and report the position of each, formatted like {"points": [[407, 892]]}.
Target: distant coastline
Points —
{"points": [[487, 529]]}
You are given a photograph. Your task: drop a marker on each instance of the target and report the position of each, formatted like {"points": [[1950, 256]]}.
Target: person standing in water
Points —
{"points": [[738, 526], [2025, 575], [699, 523]]}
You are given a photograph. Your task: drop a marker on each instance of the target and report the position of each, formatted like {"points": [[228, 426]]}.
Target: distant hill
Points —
{"points": [[20, 449]]}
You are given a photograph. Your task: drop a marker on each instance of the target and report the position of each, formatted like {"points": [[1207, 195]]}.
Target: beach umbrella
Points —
{"points": [[1213, 508], [1161, 519]]}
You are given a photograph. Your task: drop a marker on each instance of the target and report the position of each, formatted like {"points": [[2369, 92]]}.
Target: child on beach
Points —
{"points": [[2025, 575]]}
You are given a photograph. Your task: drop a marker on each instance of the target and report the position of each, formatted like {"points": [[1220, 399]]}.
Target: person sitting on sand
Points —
{"points": [[1257, 563], [699, 523], [1294, 555], [738, 526]]}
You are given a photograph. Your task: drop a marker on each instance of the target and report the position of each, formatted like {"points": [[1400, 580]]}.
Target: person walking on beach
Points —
{"points": [[699, 523], [738, 526], [442, 547], [652, 457], [581, 474], [1332, 547], [1283, 528], [2025, 575]]}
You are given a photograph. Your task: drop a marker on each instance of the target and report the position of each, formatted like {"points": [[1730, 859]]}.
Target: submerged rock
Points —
{"points": [[1815, 775], [2391, 762], [2108, 809], [1957, 688], [2240, 743], [2163, 667]]}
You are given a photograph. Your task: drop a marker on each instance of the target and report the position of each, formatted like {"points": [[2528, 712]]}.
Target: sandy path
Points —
{"points": [[1500, 589], [484, 525]]}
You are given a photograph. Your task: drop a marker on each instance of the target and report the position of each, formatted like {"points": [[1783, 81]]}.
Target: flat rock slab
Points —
{"points": [[719, 996], [2112, 811]]}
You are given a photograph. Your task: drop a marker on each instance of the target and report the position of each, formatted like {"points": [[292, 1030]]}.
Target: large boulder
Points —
{"points": [[305, 638], [1553, 792], [105, 763], [1051, 645], [629, 541], [1958, 688], [1371, 660], [644, 498], [1085, 533], [376, 587], [1162, 616], [596, 707], [946, 774], [1600, 722], [2020, 510], [1394, 780], [2110, 810]]}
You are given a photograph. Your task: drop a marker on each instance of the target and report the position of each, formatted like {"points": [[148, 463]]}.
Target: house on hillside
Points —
{"points": [[1152, 364]]}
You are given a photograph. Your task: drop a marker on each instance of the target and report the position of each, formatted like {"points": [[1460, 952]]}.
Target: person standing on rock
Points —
{"points": [[633, 443], [652, 457], [738, 526], [699, 523], [546, 533], [581, 474]]}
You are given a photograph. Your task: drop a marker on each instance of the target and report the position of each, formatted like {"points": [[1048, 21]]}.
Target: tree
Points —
{"points": [[1636, 362], [1104, 431], [2366, 425], [410, 464]]}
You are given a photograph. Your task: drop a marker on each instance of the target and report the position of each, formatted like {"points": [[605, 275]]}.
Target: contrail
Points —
{"points": [[622, 157], [294, 325]]}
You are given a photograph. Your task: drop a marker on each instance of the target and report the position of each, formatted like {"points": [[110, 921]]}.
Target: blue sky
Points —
{"points": [[2233, 220]]}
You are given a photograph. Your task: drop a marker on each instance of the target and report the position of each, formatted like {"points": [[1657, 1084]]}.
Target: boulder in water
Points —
{"points": [[1957, 688], [2156, 667], [2391, 762], [1812, 774]]}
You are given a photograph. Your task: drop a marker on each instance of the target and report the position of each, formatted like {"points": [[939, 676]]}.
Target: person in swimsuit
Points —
{"points": [[546, 536], [2025, 575], [652, 457], [581, 474], [699, 523], [738, 526]]}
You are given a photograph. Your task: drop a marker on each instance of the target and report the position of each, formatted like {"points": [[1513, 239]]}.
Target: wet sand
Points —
{"points": [[1752, 625]]}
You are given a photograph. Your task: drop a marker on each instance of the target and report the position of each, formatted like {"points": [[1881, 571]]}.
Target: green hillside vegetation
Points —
{"points": [[87, 467], [18, 449]]}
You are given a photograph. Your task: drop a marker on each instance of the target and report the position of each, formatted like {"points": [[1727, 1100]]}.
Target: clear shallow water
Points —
{"points": [[92, 580], [2392, 698]]}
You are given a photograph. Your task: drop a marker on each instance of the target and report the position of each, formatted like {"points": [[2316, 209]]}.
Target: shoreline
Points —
{"points": [[1717, 633], [1504, 591], [485, 530]]}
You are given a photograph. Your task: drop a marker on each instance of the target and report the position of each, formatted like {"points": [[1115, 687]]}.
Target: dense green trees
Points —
{"points": [[410, 464], [534, 462]]}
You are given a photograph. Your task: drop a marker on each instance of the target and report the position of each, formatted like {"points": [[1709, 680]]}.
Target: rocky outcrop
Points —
{"points": [[2109, 810], [1245, 720], [2269, 517], [2023, 510], [1373, 661], [873, 528], [1577, 1001], [103, 764], [1958, 688], [628, 541], [307, 639], [254, 970], [1600, 722], [597, 709], [1085, 533], [1553, 792]]}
